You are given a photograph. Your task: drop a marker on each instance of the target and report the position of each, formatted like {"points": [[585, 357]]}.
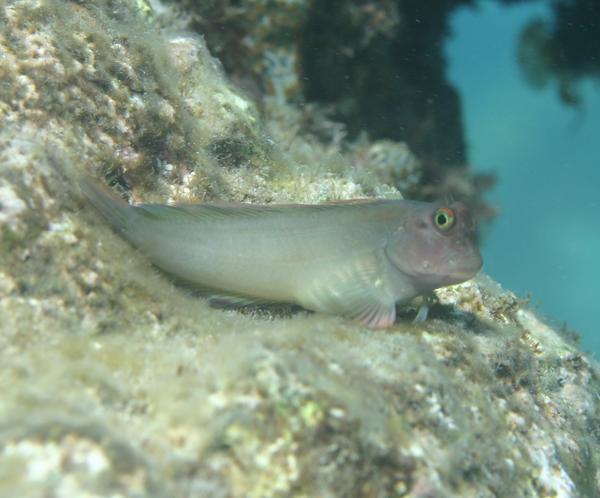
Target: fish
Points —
{"points": [[358, 259]]}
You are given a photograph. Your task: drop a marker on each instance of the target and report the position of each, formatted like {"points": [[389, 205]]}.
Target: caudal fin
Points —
{"points": [[116, 211]]}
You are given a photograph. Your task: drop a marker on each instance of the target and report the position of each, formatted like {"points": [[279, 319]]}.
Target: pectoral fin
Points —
{"points": [[375, 315], [356, 291]]}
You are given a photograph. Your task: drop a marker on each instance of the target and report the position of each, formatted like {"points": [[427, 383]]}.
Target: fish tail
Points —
{"points": [[117, 212]]}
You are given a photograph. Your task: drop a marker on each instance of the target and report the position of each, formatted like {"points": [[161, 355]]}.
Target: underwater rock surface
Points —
{"points": [[376, 68], [116, 383]]}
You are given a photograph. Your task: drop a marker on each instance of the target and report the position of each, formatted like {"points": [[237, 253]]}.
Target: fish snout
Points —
{"points": [[465, 266]]}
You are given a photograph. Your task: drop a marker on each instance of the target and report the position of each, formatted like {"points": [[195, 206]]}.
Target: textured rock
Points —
{"points": [[116, 383], [375, 68]]}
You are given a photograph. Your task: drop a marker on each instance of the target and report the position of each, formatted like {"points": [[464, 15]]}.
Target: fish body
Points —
{"points": [[356, 259]]}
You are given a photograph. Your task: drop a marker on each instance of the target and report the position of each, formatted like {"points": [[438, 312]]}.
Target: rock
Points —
{"points": [[117, 383]]}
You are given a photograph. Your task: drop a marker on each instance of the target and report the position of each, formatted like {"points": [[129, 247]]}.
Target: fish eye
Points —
{"points": [[444, 218]]}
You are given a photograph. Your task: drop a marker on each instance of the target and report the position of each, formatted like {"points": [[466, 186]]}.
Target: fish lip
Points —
{"points": [[464, 275], [467, 273], [432, 281]]}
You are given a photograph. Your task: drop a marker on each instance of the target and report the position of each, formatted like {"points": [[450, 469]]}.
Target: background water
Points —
{"points": [[547, 157]]}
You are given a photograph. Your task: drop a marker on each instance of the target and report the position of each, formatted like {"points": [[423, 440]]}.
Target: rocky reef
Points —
{"points": [[115, 382], [377, 69]]}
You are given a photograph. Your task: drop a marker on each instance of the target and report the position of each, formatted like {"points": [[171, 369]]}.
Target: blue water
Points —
{"points": [[546, 240]]}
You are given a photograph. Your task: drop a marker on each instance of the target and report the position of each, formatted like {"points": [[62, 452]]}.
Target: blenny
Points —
{"points": [[357, 259]]}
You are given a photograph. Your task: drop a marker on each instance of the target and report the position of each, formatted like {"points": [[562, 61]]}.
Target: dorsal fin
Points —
{"points": [[205, 211], [227, 210]]}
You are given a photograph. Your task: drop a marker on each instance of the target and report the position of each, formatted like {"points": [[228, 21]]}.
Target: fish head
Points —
{"points": [[434, 245]]}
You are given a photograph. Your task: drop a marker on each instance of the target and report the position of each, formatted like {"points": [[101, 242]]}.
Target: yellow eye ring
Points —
{"points": [[444, 218]]}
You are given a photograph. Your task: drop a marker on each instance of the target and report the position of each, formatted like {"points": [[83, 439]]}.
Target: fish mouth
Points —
{"points": [[450, 276], [466, 274], [449, 272], [468, 271]]}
